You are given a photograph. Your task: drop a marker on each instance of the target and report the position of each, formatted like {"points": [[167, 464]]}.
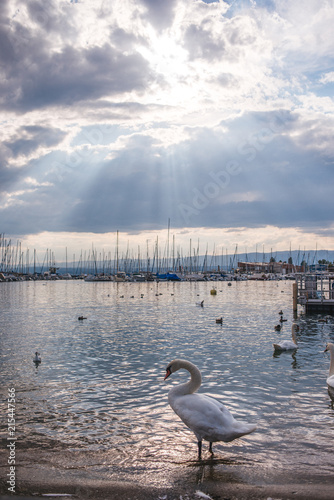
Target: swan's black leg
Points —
{"points": [[210, 448], [199, 450]]}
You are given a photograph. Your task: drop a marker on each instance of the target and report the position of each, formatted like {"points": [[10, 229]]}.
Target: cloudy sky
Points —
{"points": [[122, 115]]}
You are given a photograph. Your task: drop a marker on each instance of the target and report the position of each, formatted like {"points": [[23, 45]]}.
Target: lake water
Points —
{"points": [[97, 404]]}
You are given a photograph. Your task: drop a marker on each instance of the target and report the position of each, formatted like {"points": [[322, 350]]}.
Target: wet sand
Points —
{"points": [[129, 491], [43, 482]]}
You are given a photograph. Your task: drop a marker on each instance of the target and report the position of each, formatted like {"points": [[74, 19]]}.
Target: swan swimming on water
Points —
{"points": [[37, 358], [288, 345], [205, 416], [330, 379]]}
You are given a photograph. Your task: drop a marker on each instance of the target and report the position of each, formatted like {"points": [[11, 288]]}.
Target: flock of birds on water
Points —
{"points": [[209, 419]]}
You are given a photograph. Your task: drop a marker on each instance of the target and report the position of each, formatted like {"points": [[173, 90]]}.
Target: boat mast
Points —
{"points": [[117, 252], [167, 265]]}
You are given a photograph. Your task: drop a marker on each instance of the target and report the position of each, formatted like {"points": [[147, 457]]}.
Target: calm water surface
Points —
{"points": [[97, 405]]}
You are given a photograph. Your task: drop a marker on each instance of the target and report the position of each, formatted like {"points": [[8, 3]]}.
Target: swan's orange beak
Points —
{"points": [[324, 351], [168, 372]]}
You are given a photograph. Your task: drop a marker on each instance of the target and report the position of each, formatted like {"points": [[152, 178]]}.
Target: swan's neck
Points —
{"points": [[192, 385], [331, 366]]}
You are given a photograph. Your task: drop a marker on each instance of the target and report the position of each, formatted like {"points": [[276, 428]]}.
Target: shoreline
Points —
{"points": [[215, 491], [40, 482]]}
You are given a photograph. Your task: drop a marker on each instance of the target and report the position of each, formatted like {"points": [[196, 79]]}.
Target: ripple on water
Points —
{"points": [[100, 386]]}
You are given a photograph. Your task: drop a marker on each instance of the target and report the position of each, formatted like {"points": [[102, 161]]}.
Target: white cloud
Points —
{"points": [[327, 78], [115, 113], [35, 183]]}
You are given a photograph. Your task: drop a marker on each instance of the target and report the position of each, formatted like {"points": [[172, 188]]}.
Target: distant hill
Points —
{"points": [[309, 256], [208, 262]]}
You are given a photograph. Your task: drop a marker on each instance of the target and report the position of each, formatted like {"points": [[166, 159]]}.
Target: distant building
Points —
{"points": [[269, 267], [316, 268]]}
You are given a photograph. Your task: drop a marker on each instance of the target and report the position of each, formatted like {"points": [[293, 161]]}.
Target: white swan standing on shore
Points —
{"points": [[288, 345], [330, 379], [205, 416]]}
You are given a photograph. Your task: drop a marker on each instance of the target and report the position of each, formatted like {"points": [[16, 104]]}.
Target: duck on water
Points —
{"points": [[37, 358]]}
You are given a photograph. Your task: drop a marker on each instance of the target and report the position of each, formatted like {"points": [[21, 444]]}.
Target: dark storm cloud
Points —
{"points": [[124, 40], [131, 190], [21, 44], [49, 17], [207, 180], [35, 75], [199, 42], [8, 176], [120, 171], [74, 75], [160, 12], [28, 139], [273, 180]]}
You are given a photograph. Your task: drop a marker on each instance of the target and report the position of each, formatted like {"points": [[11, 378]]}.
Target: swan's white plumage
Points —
{"points": [[330, 379], [206, 417], [288, 345]]}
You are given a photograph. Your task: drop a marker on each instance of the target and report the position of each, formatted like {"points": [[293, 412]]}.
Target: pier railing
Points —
{"points": [[316, 292]]}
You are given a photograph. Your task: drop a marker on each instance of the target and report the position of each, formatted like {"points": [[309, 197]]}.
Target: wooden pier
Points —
{"points": [[315, 292]]}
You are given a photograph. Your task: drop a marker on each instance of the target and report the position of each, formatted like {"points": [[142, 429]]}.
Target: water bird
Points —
{"points": [[206, 417], [282, 319], [288, 345], [200, 303], [281, 312], [37, 358], [330, 379], [278, 327], [219, 320], [80, 318]]}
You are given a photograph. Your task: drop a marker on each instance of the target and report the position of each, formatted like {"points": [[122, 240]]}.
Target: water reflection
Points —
{"points": [[295, 365], [99, 391]]}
